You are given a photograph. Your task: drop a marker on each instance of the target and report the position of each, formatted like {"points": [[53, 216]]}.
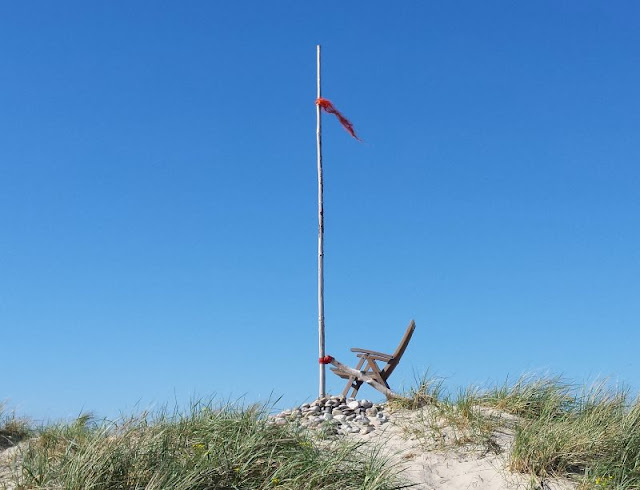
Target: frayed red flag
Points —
{"points": [[328, 107]]}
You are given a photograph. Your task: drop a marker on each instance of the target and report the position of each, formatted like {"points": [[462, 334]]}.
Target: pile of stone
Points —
{"points": [[336, 415]]}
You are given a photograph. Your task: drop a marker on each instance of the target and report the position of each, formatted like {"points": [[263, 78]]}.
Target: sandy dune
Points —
{"points": [[427, 469], [452, 468]]}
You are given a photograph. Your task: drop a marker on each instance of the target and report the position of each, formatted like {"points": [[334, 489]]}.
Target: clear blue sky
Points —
{"points": [[158, 195]]}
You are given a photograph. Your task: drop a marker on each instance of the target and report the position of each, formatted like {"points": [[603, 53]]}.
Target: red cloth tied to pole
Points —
{"points": [[325, 360], [328, 107]]}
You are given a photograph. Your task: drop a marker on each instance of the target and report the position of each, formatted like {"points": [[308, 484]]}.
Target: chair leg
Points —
{"points": [[372, 368], [352, 383], [348, 387], [377, 374], [356, 387]]}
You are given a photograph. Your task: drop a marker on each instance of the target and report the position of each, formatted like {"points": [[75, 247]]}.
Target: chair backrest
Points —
{"points": [[402, 346]]}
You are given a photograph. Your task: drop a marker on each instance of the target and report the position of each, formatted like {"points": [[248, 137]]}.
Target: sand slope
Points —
{"points": [[454, 467]]}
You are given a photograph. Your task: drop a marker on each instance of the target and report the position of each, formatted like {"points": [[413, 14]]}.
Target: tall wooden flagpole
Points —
{"points": [[321, 391]]}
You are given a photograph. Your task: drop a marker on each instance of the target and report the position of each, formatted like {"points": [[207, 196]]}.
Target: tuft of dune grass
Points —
{"points": [[205, 448], [597, 436], [589, 435], [12, 429]]}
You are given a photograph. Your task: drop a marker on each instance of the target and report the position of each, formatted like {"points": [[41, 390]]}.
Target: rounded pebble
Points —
{"points": [[335, 416]]}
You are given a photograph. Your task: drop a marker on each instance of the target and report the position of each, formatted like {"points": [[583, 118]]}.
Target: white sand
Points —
{"points": [[7, 462], [453, 467]]}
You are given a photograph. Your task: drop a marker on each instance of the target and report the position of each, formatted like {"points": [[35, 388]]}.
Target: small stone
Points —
{"points": [[353, 405], [327, 416], [366, 429], [372, 411], [366, 404], [280, 421]]}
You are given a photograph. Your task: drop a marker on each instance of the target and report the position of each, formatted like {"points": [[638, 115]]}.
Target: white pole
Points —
{"points": [[321, 391]]}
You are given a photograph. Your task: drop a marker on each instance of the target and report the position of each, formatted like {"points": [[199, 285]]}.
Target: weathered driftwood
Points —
{"points": [[361, 376]]}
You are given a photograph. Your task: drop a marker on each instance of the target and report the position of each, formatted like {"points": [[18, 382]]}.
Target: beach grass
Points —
{"points": [[12, 429], [595, 436], [589, 435], [556, 429], [444, 420], [207, 447]]}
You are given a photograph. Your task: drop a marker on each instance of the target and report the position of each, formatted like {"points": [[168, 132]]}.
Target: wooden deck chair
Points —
{"points": [[368, 371]]}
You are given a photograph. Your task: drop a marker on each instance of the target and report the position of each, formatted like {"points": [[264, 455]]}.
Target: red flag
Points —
{"points": [[328, 107]]}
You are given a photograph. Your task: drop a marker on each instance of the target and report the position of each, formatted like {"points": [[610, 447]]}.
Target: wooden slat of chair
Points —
{"points": [[372, 353], [397, 355], [373, 371]]}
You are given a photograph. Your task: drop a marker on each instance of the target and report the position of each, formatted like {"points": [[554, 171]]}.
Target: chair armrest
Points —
{"points": [[372, 353]]}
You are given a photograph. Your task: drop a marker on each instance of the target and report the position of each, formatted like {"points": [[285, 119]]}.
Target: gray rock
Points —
{"points": [[335, 416]]}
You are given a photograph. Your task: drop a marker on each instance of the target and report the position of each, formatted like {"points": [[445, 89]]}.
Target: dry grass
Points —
{"points": [[589, 435], [206, 448], [12, 429]]}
